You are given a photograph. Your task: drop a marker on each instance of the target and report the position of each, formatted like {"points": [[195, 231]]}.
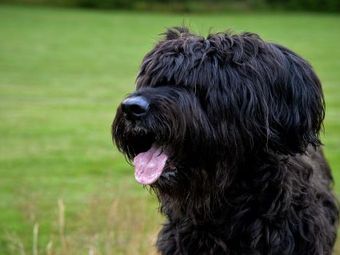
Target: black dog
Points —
{"points": [[225, 130]]}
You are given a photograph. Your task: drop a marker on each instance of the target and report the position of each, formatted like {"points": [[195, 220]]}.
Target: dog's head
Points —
{"points": [[225, 98]]}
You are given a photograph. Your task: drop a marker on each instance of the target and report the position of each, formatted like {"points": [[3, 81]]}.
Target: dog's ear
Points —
{"points": [[269, 98], [295, 104]]}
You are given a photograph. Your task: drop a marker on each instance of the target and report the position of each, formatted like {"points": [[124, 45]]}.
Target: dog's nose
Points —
{"points": [[135, 107]]}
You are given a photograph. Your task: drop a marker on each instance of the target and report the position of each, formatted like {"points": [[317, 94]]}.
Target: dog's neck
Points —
{"points": [[202, 203]]}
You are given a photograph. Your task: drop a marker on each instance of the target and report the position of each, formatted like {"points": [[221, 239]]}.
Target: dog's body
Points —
{"points": [[225, 131], [275, 210]]}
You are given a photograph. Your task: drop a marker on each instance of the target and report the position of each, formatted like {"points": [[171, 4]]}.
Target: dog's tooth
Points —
{"points": [[168, 175], [171, 173]]}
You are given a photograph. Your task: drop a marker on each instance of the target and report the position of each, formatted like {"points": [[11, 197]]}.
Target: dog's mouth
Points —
{"points": [[149, 165], [149, 158]]}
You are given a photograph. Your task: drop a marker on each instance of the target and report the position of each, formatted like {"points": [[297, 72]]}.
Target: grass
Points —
{"points": [[64, 189]]}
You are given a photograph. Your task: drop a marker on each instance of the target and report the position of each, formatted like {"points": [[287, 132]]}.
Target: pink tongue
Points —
{"points": [[149, 165]]}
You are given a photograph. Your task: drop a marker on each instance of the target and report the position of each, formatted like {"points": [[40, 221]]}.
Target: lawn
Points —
{"points": [[64, 188]]}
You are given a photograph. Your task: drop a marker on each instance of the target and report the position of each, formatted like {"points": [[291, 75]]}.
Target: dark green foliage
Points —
{"points": [[312, 5], [193, 5]]}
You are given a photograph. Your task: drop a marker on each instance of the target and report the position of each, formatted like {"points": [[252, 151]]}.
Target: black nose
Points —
{"points": [[135, 107]]}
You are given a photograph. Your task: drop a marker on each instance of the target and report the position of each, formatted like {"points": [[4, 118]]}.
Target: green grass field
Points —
{"points": [[62, 74]]}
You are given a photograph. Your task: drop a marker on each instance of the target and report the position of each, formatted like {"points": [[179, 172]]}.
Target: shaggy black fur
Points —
{"points": [[239, 119]]}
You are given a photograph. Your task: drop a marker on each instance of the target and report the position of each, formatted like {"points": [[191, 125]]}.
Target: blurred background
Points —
{"points": [[64, 67]]}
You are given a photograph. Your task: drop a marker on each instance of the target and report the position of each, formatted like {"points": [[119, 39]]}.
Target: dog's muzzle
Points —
{"points": [[149, 163]]}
